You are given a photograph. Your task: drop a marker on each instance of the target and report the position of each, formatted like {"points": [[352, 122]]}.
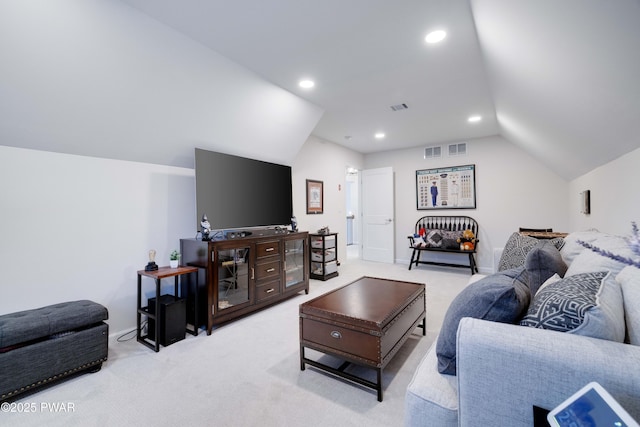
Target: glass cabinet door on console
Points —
{"points": [[294, 262], [233, 277]]}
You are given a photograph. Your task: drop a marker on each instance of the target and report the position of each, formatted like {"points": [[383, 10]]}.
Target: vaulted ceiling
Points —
{"points": [[559, 78]]}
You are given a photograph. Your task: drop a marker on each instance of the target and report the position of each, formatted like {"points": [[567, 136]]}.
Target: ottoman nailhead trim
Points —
{"points": [[55, 377]]}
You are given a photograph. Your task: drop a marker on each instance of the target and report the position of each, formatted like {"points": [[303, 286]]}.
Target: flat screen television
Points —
{"points": [[238, 193]]}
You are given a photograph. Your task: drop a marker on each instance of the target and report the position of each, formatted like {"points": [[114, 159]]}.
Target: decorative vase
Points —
{"points": [[173, 263]]}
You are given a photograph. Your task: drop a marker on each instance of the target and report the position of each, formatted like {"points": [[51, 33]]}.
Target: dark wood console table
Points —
{"points": [[246, 273]]}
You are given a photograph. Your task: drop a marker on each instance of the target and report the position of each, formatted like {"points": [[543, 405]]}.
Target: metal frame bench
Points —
{"points": [[444, 223]]}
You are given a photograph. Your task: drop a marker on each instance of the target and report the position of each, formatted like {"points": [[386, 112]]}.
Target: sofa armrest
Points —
{"points": [[504, 370]]}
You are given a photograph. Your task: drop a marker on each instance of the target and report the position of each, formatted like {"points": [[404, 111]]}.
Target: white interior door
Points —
{"points": [[378, 234]]}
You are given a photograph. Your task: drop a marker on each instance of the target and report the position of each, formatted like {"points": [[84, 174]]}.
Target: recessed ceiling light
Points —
{"points": [[379, 135], [473, 119], [435, 36], [306, 84]]}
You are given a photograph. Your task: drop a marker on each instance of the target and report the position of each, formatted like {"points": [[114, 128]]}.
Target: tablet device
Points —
{"points": [[590, 406]]}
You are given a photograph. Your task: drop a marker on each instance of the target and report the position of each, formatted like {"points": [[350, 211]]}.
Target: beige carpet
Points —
{"points": [[247, 373]]}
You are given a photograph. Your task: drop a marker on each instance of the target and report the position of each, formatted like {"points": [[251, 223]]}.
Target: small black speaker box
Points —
{"points": [[173, 319]]}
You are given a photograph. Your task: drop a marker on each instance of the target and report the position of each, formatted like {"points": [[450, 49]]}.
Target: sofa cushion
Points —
{"points": [[588, 304], [517, 248], [501, 297], [629, 280], [22, 326], [541, 263], [431, 398]]}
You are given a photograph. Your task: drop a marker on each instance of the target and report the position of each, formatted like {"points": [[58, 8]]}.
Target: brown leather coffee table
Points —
{"points": [[364, 323]]}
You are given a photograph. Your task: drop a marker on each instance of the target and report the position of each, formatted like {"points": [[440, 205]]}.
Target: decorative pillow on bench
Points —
{"points": [[443, 239]]}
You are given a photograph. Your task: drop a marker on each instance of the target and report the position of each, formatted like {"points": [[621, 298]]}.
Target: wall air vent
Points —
{"points": [[433, 152], [399, 107], [458, 149]]}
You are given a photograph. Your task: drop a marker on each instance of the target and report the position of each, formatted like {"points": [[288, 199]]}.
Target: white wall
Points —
{"points": [[615, 198], [512, 190], [325, 161], [78, 227]]}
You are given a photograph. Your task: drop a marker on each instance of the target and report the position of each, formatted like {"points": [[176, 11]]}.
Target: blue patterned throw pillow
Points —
{"points": [[562, 305], [587, 304]]}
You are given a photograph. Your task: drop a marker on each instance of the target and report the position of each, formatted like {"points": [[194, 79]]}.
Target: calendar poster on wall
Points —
{"points": [[446, 188]]}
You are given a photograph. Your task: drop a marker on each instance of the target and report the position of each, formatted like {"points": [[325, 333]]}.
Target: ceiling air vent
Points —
{"points": [[399, 107], [433, 152]]}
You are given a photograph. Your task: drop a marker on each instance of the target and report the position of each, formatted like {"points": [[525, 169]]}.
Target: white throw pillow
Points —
{"points": [[572, 248], [589, 261]]}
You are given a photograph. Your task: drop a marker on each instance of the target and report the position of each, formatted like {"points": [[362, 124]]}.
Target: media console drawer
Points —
{"points": [[264, 249], [268, 269], [268, 290]]}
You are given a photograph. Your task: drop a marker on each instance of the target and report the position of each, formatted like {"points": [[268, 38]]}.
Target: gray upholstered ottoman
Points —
{"points": [[50, 343]]}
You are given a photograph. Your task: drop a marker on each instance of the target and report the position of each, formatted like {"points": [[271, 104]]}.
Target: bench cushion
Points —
{"points": [[29, 325]]}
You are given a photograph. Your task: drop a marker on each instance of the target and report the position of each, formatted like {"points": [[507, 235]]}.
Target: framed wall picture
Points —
{"points": [[315, 197], [446, 188]]}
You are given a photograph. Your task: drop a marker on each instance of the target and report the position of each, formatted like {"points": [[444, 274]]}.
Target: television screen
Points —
{"points": [[237, 192]]}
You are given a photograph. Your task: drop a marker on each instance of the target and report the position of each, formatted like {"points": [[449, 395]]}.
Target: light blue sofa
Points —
{"points": [[503, 370]]}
